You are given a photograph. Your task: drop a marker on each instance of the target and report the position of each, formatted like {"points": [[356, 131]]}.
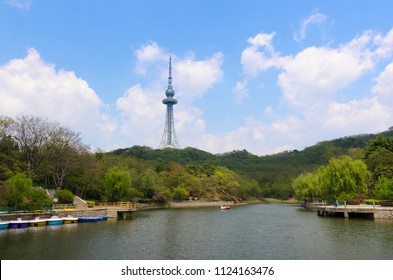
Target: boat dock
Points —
{"points": [[119, 210], [356, 211]]}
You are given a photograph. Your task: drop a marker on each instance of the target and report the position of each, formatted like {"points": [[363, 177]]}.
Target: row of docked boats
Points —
{"points": [[52, 221]]}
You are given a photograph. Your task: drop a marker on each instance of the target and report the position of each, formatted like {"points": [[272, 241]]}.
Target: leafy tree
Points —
{"points": [[343, 179], [306, 186], [9, 157], [379, 142], [19, 187], [117, 184], [384, 188], [38, 200], [179, 194], [64, 196]]}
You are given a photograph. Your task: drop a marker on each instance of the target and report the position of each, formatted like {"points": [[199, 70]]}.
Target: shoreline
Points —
{"points": [[147, 206]]}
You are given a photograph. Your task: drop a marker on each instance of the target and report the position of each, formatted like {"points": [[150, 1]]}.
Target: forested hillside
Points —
{"points": [[274, 173], [37, 153]]}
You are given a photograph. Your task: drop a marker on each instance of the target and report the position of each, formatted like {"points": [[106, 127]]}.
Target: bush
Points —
{"points": [[38, 200], [64, 196], [90, 203]]}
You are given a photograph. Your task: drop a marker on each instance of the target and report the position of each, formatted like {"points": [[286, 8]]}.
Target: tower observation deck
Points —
{"points": [[169, 139]]}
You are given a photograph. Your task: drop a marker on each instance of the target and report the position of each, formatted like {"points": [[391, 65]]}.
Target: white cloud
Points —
{"points": [[383, 87], [318, 73], [193, 78], [19, 4], [314, 83], [385, 44], [31, 86], [147, 55], [367, 114], [240, 91], [316, 18], [254, 59]]}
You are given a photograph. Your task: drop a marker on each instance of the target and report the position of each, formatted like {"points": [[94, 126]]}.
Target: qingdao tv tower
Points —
{"points": [[169, 139]]}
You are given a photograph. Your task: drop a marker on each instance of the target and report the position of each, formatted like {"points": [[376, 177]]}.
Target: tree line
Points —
{"points": [[370, 175], [37, 154]]}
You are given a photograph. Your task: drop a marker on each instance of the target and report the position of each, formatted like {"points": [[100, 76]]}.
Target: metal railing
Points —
{"points": [[119, 204], [64, 207]]}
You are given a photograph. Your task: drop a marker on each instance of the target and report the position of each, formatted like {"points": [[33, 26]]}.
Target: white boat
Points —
{"points": [[37, 222], [54, 221], [225, 207], [70, 219]]}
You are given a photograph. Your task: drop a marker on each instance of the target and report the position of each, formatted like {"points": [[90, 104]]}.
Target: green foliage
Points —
{"points": [[306, 186], [19, 187], [343, 179], [64, 196], [21, 195], [59, 160], [38, 200], [384, 188], [90, 203], [179, 194], [117, 184], [379, 142]]}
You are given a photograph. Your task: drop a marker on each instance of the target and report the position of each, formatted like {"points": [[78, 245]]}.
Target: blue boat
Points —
{"points": [[102, 218], [88, 219], [4, 225], [19, 223], [54, 221]]}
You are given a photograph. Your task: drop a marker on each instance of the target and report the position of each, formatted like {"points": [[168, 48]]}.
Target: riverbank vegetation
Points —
{"points": [[37, 155]]}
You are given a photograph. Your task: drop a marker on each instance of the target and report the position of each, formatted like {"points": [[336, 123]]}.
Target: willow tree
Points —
{"points": [[343, 179], [117, 184], [306, 186]]}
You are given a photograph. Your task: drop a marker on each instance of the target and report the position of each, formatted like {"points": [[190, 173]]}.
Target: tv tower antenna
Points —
{"points": [[169, 139]]}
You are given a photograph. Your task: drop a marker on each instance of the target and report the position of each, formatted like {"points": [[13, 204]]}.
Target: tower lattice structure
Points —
{"points": [[169, 139]]}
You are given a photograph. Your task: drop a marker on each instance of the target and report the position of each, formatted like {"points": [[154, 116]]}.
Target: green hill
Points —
{"points": [[274, 173]]}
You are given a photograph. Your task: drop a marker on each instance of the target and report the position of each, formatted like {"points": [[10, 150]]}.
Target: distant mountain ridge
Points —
{"points": [[274, 172]]}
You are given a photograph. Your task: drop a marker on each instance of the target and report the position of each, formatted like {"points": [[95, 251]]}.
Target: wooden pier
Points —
{"points": [[356, 211]]}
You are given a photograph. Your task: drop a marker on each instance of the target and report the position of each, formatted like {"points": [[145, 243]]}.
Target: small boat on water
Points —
{"points": [[19, 223], [92, 219], [88, 219], [4, 225], [37, 222], [70, 219], [54, 221], [225, 207]]}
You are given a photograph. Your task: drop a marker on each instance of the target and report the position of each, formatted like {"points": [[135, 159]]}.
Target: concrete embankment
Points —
{"points": [[349, 211], [60, 213], [195, 204]]}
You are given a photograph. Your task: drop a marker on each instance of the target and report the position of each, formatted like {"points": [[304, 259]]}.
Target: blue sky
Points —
{"points": [[265, 76]]}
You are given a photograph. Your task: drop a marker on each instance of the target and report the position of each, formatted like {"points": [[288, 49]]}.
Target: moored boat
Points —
{"points": [[70, 219], [4, 225], [37, 222], [54, 221], [102, 218], [88, 219], [19, 223]]}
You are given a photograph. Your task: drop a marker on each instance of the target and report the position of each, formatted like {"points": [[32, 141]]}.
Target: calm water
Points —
{"points": [[276, 232]]}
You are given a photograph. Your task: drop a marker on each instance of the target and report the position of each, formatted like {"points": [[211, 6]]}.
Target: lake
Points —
{"points": [[257, 231]]}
